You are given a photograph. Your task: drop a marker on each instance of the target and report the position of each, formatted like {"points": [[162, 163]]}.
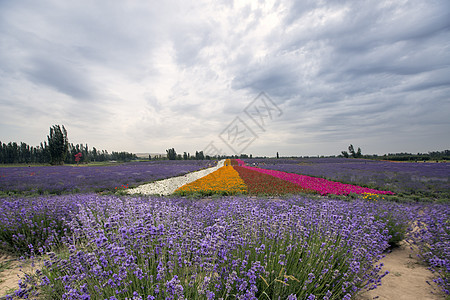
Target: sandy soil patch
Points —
{"points": [[11, 270], [9, 274], [408, 279]]}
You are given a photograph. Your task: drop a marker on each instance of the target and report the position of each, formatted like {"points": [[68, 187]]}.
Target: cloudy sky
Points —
{"points": [[260, 77]]}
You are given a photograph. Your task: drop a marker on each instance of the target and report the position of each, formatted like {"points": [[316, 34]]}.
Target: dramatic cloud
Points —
{"points": [[140, 76]]}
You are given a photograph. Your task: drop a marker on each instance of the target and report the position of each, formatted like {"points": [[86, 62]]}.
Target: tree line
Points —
{"points": [[171, 154], [56, 151], [403, 156]]}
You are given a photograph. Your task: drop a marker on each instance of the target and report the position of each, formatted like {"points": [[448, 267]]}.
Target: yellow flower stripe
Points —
{"points": [[372, 197], [225, 180]]}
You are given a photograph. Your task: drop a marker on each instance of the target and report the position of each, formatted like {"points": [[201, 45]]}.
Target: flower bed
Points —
{"points": [[260, 183], [394, 176], [169, 185], [320, 185], [224, 181], [68, 179], [36, 224], [234, 247], [432, 236]]}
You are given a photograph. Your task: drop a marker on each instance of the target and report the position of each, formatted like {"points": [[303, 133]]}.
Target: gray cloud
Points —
{"points": [[68, 80], [178, 73]]}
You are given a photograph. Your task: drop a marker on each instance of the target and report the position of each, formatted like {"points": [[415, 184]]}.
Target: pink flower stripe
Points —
{"points": [[320, 185], [240, 162]]}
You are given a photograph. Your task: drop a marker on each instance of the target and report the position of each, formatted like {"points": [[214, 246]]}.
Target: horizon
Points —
{"points": [[144, 153]]}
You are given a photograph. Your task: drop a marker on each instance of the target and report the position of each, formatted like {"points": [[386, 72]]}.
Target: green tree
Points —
{"points": [[94, 154], [199, 155], [58, 144], [171, 154], [352, 152]]}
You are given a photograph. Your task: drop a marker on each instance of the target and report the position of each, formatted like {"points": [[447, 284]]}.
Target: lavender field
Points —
{"points": [[69, 179], [117, 246]]}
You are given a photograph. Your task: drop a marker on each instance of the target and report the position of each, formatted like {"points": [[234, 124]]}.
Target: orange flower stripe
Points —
{"points": [[225, 180]]}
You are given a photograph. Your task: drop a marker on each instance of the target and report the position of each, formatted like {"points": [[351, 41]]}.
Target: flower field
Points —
{"points": [[320, 185], [227, 247], [225, 180], [236, 177], [413, 178], [260, 183], [68, 179]]}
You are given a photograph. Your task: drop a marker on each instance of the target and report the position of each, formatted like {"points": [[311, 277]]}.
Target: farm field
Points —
{"points": [[418, 180], [252, 229], [70, 179]]}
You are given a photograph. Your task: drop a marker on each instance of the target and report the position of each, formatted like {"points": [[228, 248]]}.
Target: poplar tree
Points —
{"points": [[171, 154], [58, 144]]}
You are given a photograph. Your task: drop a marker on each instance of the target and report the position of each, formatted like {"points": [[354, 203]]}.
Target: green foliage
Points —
{"points": [[199, 155], [351, 152], [396, 228], [14, 153], [58, 144], [354, 154], [171, 154], [4, 265]]}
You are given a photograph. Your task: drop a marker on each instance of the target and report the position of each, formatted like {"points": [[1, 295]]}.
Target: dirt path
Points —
{"points": [[409, 278], [11, 270], [9, 275]]}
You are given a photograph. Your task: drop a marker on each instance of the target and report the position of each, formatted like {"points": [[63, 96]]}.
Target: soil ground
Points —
{"points": [[11, 270], [408, 278], [9, 274]]}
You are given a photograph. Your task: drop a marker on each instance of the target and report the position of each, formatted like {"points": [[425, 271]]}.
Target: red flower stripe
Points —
{"points": [[259, 183]]}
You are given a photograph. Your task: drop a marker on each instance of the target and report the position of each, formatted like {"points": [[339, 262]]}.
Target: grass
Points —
{"points": [[5, 265], [23, 165]]}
